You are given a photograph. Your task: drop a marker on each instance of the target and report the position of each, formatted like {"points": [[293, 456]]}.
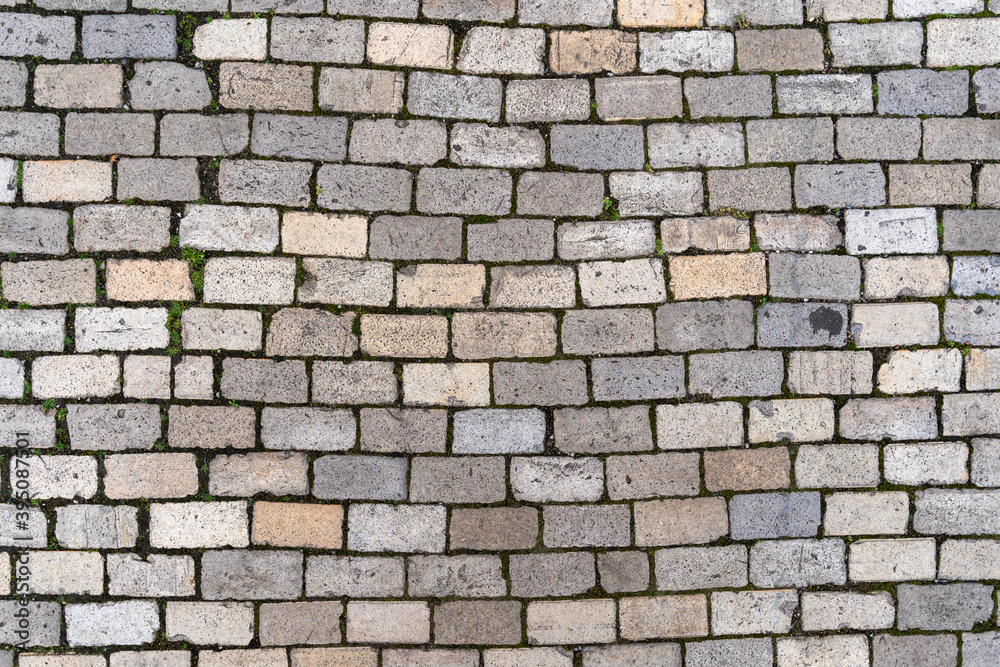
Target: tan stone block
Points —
{"points": [[507, 335], [310, 526], [151, 475], [799, 420], [660, 13], [244, 475], [149, 280], [78, 86], [753, 612], [711, 276], [458, 385], [687, 521], [410, 45], [747, 469], [388, 622], [198, 524], [404, 335], [875, 513], [331, 234], [591, 51], [571, 622], [66, 180], [146, 376], [893, 560], [713, 234], [335, 657], [663, 617], [49, 282], [982, 369], [440, 286]]}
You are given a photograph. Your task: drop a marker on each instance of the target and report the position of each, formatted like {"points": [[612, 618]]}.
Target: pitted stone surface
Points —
{"points": [[516, 334]]}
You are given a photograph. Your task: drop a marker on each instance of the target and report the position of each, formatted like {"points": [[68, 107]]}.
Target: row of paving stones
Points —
{"points": [[673, 522], [507, 51], [631, 13], [173, 86], [499, 622], [680, 426], [208, 227], [547, 479], [489, 191], [426, 142], [852, 650]]}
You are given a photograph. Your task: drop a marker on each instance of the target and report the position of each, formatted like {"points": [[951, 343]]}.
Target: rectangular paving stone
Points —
{"points": [[192, 134], [560, 194], [755, 189], [403, 430], [837, 466], [892, 560], [696, 568], [78, 86], [359, 382], [152, 179], [306, 138], [779, 50], [626, 98], [231, 39], [354, 576], [874, 513], [459, 480], [492, 50], [498, 528], [876, 44], [66, 181], [511, 240], [806, 276], [440, 286], [680, 521], [560, 622], [479, 145], [592, 51], [747, 470], [892, 418], [774, 515], [733, 96], [790, 140], [265, 86], [663, 617], [476, 622], [679, 51], [757, 12], [386, 141], [563, 12], [361, 90], [696, 145], [404, 335], [120, 329], [961, 42], [427, 46], [802, 325], [33, 230], [346, 282], [168, 85], [878, 138], [209, 426], [547, 100], [265, 182], [944, 607], [930, 185], [76, 376], [825, 94], [49, 37], [464, 191], [854, 611], [238, 574], [492, 11], [751, 373], [585, 526], [105, 134], [598, 148], [316, 39], [23, 133], [354, 187], [404, 528], [879, 325], [454, 96], [145, 37]]}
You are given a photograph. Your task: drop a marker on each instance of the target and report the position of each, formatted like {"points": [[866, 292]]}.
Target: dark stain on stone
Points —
{"points": [[827, 319]]}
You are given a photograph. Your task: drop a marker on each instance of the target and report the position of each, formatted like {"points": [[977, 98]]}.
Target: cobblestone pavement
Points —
{"points": [[466, 333]]}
